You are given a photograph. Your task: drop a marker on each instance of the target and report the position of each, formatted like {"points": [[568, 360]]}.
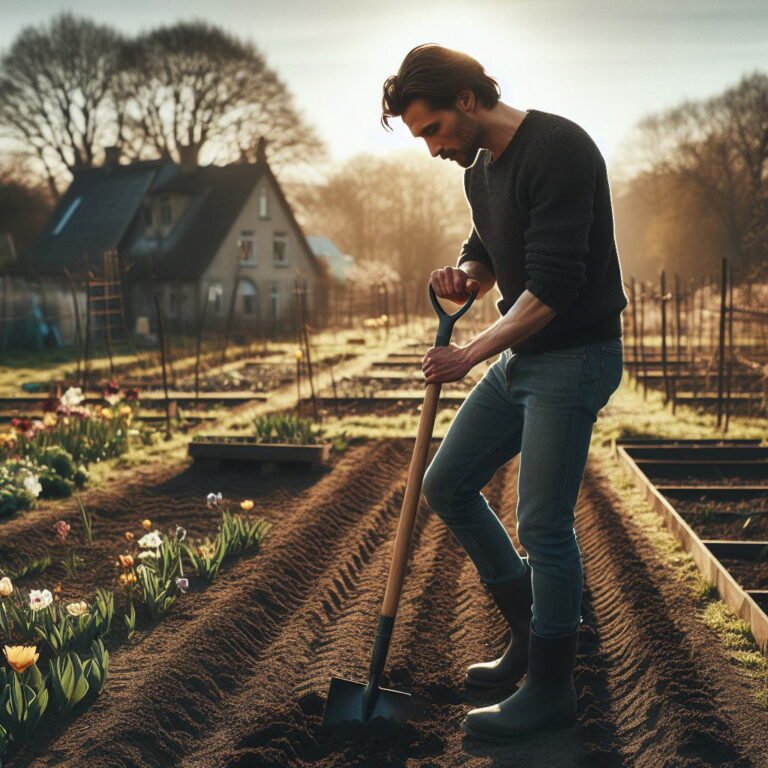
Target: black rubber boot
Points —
{"points": [[546, 699], [514, 600]]}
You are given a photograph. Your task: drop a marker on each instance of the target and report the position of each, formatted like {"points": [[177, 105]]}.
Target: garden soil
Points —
{"points": [[236, 676]]}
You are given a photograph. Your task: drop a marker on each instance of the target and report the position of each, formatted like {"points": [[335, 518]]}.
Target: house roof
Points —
{"points": [[100, 205], [324, 248], [107, 217]]}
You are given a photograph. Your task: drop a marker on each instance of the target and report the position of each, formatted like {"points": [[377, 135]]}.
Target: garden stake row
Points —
{"points": [[347, 699]]}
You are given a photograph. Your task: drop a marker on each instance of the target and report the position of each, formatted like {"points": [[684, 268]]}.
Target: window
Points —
{"points": [[280, 250], [247, 246], [263, 204], [215, 293], [166, 212], [73, 206], [247, 290], [274, 300]]}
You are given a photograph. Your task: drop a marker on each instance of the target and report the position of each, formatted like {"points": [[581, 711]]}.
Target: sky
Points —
{"points": [[602, 64]]}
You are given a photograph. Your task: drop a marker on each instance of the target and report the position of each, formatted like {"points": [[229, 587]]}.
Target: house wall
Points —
{"points": [[265, 280]]}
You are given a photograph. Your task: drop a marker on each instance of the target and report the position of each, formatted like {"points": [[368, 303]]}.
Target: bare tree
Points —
{"points": [[191, 88], [55, 94], [406, 210], [714, 152]]}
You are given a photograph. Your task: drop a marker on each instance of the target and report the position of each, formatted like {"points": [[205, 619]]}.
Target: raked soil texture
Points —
{"points": [[237, 675]]}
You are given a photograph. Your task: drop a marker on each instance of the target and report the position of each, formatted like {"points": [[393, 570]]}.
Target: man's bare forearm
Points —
{"points": [[528, 315]]}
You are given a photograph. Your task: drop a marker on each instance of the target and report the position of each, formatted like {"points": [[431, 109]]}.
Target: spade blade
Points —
{"points": [[346, 702]]}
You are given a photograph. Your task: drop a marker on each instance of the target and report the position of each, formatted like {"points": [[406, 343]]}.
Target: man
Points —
{"points": [[542, 233]]}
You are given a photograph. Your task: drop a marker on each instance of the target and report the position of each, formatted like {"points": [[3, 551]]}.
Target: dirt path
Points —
{"points": [[237, 676]]}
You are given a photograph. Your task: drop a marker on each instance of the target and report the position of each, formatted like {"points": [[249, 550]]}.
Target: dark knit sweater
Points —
{"points": [[542, 220]]}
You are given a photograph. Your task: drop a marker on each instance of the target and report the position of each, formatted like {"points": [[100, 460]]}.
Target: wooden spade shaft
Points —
{"points": [[411, 501]]}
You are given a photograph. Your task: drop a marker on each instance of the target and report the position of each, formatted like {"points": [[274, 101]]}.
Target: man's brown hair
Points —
{"points": [[437, 75]]}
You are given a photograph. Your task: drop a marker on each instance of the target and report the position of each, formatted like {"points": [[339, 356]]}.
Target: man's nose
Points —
{"points": [[434, 149]]}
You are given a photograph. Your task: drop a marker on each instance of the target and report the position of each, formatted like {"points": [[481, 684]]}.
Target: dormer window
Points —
{"points": [[263, 204], [166, 212]]}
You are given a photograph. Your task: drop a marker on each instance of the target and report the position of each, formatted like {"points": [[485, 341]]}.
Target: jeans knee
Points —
{"points": [[548, 541], [436, 490]]}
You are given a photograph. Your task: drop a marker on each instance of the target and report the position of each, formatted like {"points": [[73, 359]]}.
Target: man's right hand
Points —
{"points": [[454, 284]]}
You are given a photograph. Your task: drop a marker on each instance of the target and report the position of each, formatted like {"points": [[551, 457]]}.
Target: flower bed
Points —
{"points": [[56, 650], [48, 457]]}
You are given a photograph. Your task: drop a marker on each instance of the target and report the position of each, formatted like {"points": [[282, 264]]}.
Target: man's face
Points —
{"points": [[451, 134]]}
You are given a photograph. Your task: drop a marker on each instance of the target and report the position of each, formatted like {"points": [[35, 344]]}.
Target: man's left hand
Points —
{"points": [[443, 364]]}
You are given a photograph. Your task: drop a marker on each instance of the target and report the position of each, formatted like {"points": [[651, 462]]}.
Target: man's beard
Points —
{"points": [[468, 135]]}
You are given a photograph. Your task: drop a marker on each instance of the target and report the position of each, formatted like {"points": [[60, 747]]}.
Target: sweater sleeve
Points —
{"points": [[561, 197], [472, 249]]}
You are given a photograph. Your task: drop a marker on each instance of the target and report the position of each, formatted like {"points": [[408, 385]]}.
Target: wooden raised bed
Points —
{"points": [[705, 553], [214, 447]]}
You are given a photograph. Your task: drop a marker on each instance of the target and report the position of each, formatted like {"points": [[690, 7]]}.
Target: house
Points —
{"points": [[212, 242]]}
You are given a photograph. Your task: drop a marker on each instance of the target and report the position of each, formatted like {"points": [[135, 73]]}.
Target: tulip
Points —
{"points": [[62, 529], [127, 578], [298, 354], [151, 540], [125, 411], [146, 524], [39, 599], [182, 584], [180, 533], [246, 505], [20, 657], [129, 536], [77, 609], [126, 561], [6, 586], [214, 499]]}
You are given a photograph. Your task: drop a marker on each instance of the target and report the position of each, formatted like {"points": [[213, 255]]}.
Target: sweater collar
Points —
{"points": [[506, 152]]}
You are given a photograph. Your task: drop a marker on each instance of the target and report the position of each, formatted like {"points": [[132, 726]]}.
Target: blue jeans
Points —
{"points": [[542, 406]]}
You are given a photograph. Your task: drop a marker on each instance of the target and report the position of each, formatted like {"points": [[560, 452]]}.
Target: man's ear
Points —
{"points": [[465, 100]]}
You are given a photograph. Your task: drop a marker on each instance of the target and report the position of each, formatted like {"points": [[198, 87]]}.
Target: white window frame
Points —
{"points": [[215, 295], [280, 237], [251, 292]]}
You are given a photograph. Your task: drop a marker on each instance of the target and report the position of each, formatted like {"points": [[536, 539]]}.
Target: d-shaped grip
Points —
{"points": [[446, 321]]}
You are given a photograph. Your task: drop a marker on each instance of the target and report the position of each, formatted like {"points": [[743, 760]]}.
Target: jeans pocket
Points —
{"points": [[611, 374]]}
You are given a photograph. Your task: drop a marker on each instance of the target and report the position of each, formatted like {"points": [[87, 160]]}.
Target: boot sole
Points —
{"points": [[563, 722]]}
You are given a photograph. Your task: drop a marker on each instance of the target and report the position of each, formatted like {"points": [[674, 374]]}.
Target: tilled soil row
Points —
{"points": [[238, 676]]}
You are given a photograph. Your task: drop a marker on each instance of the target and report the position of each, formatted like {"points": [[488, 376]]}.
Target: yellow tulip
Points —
{"points": [[127, 578], [146, 524], [77, 609], [20, 657], [126, 561], [129, 536], [246, 505], [298, 354], [125, 410]]}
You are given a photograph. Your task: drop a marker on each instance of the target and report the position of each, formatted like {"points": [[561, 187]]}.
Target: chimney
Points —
{"points": [[111, 157], [261, 150]]}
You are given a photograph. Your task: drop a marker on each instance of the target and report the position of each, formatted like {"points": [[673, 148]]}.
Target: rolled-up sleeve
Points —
{"points": [[472, 249], [562, 190]]}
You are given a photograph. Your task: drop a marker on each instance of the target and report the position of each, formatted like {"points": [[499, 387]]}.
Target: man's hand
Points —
{"points": [[443, 364], [454, 284]]}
